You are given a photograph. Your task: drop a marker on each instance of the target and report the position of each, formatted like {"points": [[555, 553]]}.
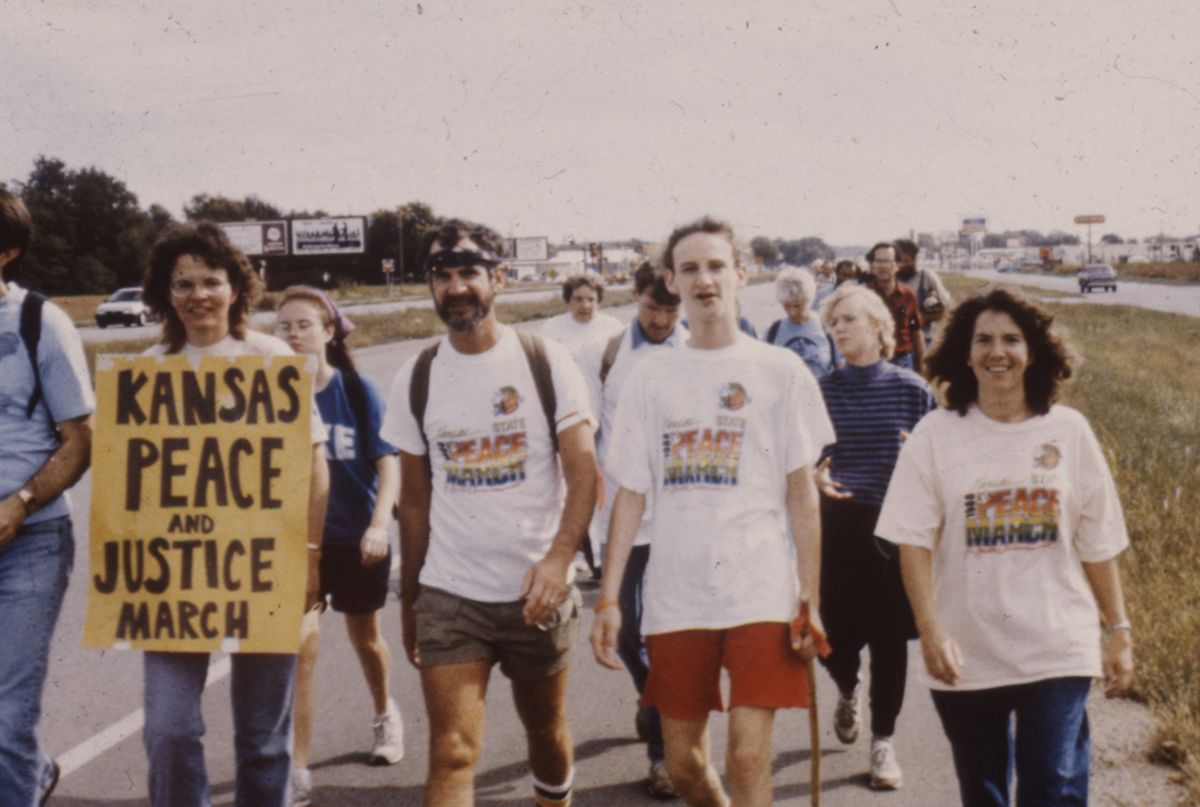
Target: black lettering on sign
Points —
{"points": [[233, 413], [128, 387]]}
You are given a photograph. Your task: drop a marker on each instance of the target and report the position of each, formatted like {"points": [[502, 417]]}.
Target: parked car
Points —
{"points": [[1097, 276], [124, 307]]}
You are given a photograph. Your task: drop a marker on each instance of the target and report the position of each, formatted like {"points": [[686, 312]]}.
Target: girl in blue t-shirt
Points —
{"points": [[800, 331], [355, 556]]}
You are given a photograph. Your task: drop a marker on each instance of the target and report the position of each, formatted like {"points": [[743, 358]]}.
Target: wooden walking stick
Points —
{"points": [[801, 628]]}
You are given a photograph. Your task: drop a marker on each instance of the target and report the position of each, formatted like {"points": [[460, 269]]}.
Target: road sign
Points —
{"points": [[389, 265], [976, 224], [1094, 219]]}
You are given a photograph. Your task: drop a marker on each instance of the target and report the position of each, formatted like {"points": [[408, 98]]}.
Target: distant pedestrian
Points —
{"points": [[484, 420], [932, 296], [582, 323], [910, 344], [874, 405], [46, 405], [1009, 528], [801, 331], [355, 566]]}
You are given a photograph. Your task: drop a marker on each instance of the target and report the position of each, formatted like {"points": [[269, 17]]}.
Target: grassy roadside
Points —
{"points": [[1138, 382]]}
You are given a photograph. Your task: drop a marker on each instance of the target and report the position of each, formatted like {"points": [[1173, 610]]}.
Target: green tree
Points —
{"points": [[764, 250], [803, 251], [1111, 238], [203, 207], [91, 235]]}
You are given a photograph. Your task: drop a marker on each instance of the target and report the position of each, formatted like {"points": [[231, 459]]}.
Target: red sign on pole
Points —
{"points": [[389, 265], [1089, 219]]}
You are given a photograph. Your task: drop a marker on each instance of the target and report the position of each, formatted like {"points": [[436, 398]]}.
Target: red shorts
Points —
{"points": [[685, 670]]}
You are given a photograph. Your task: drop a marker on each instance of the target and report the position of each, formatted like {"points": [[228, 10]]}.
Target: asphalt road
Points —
{"points": [[1158, 296], [92, 719]]}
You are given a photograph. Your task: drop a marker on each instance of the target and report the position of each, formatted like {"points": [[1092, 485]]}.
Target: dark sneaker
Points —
{"points": [[658, 784]]}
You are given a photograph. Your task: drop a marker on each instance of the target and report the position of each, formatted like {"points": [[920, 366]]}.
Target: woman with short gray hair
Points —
{"points": [[800, 331]]}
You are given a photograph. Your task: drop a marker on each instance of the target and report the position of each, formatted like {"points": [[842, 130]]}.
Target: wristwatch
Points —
{"points": [[27, 499]]}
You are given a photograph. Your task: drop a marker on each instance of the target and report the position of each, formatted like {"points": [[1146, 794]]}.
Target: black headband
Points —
{"points": [[460, 258]]}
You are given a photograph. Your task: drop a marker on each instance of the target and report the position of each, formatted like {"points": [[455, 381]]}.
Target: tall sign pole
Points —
{"points": [[1089, 220]]}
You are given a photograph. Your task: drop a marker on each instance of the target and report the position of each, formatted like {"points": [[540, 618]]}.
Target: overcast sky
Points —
{"points": [[850, 120]]}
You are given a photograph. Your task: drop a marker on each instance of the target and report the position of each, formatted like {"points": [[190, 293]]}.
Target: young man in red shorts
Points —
{"points": [[723, 434]]}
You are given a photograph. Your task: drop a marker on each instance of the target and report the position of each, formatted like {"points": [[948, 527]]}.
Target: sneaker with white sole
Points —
{"points": [[885, 770], [847, 717], [301, 788], [389, 737], [659, 784]]}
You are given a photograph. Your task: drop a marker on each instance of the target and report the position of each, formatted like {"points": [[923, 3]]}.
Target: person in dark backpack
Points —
{"points": [[46, 404], [364, 481], [488, 529]]}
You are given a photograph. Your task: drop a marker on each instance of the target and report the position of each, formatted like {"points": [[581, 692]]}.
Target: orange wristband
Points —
{"points": [[602, 604]]}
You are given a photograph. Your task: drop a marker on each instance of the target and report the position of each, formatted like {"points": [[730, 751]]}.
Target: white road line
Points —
{"points": [[128, 725]]}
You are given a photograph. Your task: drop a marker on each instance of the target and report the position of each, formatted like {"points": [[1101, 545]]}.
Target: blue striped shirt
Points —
{"points": [[869, 407]]}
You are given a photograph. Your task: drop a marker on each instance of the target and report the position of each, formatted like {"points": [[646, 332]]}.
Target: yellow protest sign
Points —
{"points": [[199, 518]]}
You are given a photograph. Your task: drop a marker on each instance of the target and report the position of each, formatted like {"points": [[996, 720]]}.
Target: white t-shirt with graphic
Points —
{"points": [[1022, 506], [604, 397], [497, 489], [711, 435], [575, 336]]}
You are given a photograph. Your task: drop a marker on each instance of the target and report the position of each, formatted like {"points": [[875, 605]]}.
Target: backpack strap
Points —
{"points": [[772, 332], [418, 389], [31, 334], [539, 365], [610, 355]]}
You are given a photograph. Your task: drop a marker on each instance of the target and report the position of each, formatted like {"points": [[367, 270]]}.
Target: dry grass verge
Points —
{"points": [[1138, 382]]}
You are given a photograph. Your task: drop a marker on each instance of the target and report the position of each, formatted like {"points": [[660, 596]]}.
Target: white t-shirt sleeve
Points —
{"points": [[570, 391], [810, 429], [589, 366], [400, 428], [912, 509], [1100, 533], [630, 444]]}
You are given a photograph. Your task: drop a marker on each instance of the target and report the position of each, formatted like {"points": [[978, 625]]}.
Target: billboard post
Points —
{"points": [[1089, 220]]}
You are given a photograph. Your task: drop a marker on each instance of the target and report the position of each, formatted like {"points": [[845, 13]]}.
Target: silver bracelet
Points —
{"points": [[1124, 624]]}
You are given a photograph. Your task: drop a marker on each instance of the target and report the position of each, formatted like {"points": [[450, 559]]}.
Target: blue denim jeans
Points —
{"points": [[1051, 742], [630, 646], [34, 568], [261, 690]]}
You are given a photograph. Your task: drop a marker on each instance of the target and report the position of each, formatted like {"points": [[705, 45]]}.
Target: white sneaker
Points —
{"points": [[301, 787], [847, 717], [389, 737], [885, 770]]}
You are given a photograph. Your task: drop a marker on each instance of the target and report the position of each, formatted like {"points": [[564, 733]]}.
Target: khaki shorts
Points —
{"points": [[454, 630]]}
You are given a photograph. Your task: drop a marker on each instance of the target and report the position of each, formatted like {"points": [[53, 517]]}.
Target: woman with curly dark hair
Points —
{"points": [[202, 286], [1009, 528]]}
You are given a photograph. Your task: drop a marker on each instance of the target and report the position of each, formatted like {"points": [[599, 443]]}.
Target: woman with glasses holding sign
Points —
{"points": [[202, 287], [364, 483]]}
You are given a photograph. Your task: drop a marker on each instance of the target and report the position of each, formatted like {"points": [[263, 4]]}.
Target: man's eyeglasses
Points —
{"points": [[184, 288]]}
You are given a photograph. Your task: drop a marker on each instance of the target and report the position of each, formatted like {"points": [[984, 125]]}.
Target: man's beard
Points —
{"points": [[462, 321]]}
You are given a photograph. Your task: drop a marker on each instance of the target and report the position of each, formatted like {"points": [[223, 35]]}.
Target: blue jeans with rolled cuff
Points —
{"points": [[34, 568], [1050, 745]]}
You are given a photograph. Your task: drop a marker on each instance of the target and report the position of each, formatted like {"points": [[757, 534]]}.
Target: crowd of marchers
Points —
{"points": [[848, 482]]}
